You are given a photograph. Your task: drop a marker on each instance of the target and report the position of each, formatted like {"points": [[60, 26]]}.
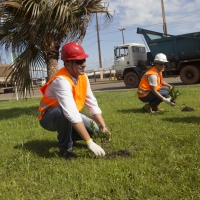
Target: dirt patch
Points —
{"points": [[120, 153], [186, 109]]}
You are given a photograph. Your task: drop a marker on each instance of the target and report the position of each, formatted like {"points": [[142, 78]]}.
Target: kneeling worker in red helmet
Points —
{"points": [[152, 88], [64, 96]]}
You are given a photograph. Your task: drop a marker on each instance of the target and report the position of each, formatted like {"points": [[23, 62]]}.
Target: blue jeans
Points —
{"points": [[54, 120], [154, 100]]}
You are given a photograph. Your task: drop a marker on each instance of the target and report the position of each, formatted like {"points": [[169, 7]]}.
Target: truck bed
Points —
{"points": [[176, 48]]}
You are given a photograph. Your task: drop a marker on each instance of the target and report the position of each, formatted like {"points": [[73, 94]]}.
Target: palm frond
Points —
{"points": [[36, 29]]}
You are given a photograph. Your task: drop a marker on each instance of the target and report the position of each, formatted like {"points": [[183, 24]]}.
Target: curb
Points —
{"points": [[104, 82]]}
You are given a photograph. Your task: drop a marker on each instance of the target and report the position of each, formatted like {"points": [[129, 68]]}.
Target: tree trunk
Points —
{"points": [[52, 67], [50, 48]]}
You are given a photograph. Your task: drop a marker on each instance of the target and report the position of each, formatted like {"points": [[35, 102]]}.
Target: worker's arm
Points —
{"points": [[96, 149], [94, 110], [81, 130], [165, 83], [156, 93], [99, 119], [153, 82]]}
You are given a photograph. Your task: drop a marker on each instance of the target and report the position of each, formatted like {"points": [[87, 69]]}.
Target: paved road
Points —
{"points": [[121, 86], [96, 87]]}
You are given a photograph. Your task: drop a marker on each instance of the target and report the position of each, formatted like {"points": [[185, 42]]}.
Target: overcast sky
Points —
{"points": [[182, 16]]}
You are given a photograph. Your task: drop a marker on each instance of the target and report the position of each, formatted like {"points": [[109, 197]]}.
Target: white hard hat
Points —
{"points": [[160, 57]]}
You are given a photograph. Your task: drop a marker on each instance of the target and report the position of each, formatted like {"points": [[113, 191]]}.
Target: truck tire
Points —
{"points": [[190, 75], [131, 80]]}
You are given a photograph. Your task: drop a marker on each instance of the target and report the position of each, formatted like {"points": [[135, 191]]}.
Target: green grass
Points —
{"points": [[164, 162]]}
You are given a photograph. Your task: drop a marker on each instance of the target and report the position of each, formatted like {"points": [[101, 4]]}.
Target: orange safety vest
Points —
{"points": [[79, 92], [144, 87]]}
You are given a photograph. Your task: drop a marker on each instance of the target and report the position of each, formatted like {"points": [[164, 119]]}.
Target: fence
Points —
{"points": [[107, 74]]}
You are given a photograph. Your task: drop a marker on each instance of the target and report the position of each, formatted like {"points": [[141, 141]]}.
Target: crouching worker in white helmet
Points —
{"points": [[64, 96], [152, 88]]}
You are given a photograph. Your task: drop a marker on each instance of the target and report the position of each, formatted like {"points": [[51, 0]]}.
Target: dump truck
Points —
{"points": [[182, 51], [6, 85]]}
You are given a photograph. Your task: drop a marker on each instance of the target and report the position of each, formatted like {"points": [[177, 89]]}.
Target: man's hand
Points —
{"points": [[96, 149], [105, 130], [168, 101], [170, 86]]}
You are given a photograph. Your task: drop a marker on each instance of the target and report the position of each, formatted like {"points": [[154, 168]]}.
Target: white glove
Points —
{"points": [[168, 101], [96, 149]]}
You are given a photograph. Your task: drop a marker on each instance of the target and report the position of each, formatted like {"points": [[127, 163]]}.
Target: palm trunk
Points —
{"points": [[50, 47], [52, 67]]}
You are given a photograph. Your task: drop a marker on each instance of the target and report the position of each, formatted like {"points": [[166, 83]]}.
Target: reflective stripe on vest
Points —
{"points": [[79, 92], [144, 87]]}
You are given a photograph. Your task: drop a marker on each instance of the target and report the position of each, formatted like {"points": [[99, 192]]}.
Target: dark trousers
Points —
{"points": [[54, 120], [154, 100]]}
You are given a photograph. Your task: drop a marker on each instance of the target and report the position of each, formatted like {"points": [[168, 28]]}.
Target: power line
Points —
{"points": [[170, 19], [91, 44], [135, 26], [170, 22], [90, 38]]}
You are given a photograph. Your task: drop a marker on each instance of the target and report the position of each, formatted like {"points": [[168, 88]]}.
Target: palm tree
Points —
{"points": [[36, 30]]}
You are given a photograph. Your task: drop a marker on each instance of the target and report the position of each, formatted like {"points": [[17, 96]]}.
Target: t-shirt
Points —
{"points": [[153, 80]]}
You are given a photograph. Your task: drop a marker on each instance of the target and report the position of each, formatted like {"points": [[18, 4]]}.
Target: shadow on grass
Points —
{"points": [[139, 110], [190, 119], [42, 147], [132, 110], [16, 112]]}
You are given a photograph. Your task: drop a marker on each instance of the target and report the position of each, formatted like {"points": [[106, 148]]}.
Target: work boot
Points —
{"points": [[68, 154], [148, 108], [157, 108]]}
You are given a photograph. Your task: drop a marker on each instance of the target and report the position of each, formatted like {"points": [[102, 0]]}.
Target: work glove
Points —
{"points": [[168, 101], [96, 149]]}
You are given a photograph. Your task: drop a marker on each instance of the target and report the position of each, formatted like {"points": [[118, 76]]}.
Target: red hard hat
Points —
{"points": [[73, 51]]}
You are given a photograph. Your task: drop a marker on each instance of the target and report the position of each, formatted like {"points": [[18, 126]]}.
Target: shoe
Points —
{"points": [[68, 154], [156, 108], [148, 108]]}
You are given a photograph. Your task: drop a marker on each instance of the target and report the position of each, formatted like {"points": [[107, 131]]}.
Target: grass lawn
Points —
{"points": [[164, 162]]}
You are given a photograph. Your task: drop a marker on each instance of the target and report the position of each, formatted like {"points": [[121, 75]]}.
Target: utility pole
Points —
{"points": [[99, 48], [122, 30], [164, 20], [98, 40]]}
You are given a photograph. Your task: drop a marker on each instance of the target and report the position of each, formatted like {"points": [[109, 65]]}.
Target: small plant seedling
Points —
{"points": [[174, 94], [104, 137]]}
